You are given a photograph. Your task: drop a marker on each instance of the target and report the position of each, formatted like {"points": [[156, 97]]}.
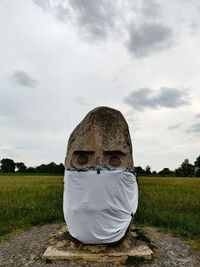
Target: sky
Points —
{"points": [[60, 59]]}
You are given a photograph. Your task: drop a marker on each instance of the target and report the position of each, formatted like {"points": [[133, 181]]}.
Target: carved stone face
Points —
{"points": [[102, 138]]}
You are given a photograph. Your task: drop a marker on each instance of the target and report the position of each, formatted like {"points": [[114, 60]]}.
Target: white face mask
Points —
{"points": [[98, 208]]}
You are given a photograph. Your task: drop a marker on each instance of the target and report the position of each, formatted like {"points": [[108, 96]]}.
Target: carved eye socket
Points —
{"points": [[114, 161], [82, 159], [114, 157]]}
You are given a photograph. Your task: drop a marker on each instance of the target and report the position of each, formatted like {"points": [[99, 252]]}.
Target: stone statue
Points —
{"points": [[100, 194], [102, 138]]}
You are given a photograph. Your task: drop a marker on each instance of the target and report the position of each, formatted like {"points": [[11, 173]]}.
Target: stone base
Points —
{"points": [[64, 247]]}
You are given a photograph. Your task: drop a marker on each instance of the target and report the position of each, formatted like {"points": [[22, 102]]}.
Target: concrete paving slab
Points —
{"points": [[64, 247]]}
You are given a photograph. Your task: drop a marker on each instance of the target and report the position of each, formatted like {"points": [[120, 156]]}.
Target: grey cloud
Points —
{"points": [[197, 115], [174, 126], [62, 12], [150, 8], [95, 18], [165, 97], [44, 4], [148, 38], [23, 79], [98, 19], [59, 9], [194, 28], [195, 128]]}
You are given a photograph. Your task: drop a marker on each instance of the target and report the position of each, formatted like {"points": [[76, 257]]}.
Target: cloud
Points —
{"points": [[174, 126], [7, 152], [197, 115], [44, 4], [95, 18], [148, 38], [22, 78], [59, 9], [99, 19], [165, 97], [150, 8], [62, 12], [194, 28], [82, 101], [195, 128]]}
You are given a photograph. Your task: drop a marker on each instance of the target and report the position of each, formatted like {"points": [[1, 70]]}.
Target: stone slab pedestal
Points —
{"points": [[64, 247]]}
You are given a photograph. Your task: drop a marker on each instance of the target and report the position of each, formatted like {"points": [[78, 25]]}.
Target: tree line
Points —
{"points": [[9, 166], [186, 169]]}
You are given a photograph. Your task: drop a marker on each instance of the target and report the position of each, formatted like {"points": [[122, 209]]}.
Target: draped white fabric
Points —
{"points": [[98, 207]]}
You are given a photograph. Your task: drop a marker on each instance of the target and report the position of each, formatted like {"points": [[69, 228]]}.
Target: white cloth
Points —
{"points": [[98, 207]]}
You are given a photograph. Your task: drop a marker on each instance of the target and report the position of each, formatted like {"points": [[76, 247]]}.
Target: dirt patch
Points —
{"points": [[26, 249], [171, 251]]}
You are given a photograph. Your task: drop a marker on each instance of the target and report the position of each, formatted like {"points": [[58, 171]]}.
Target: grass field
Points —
{"points": [[29, 200], [173, 204], [170, 203]]}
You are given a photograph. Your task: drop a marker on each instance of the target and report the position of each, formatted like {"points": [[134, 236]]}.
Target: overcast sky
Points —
{"points": [[60, 59]]}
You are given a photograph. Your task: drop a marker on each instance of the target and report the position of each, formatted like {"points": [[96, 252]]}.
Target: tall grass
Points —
{"points": [[171, 203], [29, 200]]}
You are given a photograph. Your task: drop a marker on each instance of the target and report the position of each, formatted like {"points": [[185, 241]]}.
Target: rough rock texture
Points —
{"points": [[102, 138], [26, 249]]}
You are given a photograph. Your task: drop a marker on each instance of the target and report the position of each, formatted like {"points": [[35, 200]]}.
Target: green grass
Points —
{"points": [[169, 203], [29, 200]]}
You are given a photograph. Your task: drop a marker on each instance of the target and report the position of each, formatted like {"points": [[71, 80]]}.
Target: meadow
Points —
{"points": [[172, 204], [29, 200]]}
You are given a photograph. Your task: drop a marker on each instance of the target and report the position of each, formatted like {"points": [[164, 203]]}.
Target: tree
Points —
{"points": [[42, 168], [166, 172], [139, 170], [59, 168], [185, 170], [197, 167], [21, 167], [7, 165], [148, 170], [30, 170], [50, 168]]}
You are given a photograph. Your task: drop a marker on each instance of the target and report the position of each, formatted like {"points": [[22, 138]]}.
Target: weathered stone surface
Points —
{"points": [[102, 138], [64, 247]]}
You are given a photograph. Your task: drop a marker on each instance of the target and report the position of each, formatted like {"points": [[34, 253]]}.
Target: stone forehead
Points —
{"points": [[102, 126]]}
